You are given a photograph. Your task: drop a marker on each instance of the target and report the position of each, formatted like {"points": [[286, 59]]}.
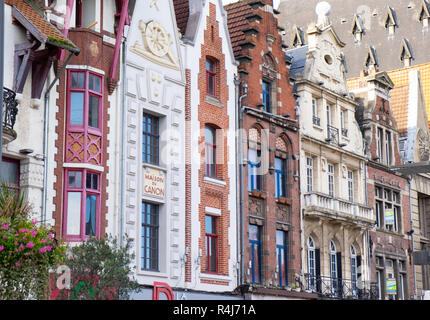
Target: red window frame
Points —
{"points": [[85, 128], [211, 74], [210, 236], [85, 192]]}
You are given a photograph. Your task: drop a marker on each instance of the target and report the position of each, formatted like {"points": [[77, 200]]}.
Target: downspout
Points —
{"points": [[1, 75], [238, 204], [45, 138], [239, 126], [412, 235], [122, 142]]}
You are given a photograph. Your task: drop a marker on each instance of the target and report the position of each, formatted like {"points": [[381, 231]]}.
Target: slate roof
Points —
{"points": [[298, 60], [237, 22], [27, 13]]}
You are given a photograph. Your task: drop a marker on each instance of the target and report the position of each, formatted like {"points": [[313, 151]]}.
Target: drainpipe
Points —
{"points": [[238, 204], [412, 235], [122, 143], [239, 110], [45, 138], [1, 75]]}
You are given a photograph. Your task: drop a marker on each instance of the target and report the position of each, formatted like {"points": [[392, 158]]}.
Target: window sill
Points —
{"points": [[153, 166], [389, 232], [214, 181], [317, 127], [283, 200], [148, 273], [214, 101], [214, 277], [258, 194]]}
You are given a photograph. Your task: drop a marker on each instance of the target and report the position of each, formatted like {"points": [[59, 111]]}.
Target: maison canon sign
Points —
{"points": [[153, 182]]}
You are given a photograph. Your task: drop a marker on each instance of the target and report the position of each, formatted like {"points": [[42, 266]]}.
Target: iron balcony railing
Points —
{"points": [[316, 121], [10, 108], [344, 132], [337, 288], [332, 134]]}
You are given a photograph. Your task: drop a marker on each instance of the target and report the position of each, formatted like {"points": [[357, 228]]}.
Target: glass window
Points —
{"points": [[9, 173], [150, 139], [255, 252], [211, 243], [93, 112], [210, 77], [282, 256], [82, 204], [254, 178], [351, 186], [280, 177], [353, 269], [210, 152], [330, 176], [333, 268], [267, 89], [311, 264], [149, 237], [77, 109], [309, 174]]}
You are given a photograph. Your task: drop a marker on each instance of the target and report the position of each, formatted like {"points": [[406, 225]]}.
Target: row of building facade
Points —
{"points": [[240, 169]]}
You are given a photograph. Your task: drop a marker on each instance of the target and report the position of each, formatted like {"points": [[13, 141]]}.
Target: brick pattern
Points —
{"points": [[188, 170], [217, 116], [267, 60]]}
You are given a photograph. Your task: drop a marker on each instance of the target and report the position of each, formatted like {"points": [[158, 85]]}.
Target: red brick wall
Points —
{"points": [[214, 115], [284, 103]]}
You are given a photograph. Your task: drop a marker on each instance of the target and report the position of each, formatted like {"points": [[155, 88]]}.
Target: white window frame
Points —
{"points": [[309, 174]]}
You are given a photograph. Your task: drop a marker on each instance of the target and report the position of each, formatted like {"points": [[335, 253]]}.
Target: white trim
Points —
{"points": [[214, 181], [85, 67], [84, 166], [152, 166], [213, 211], [215, 277]]}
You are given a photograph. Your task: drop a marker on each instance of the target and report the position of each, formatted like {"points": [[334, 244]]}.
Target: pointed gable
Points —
{"points": [[390, 18], [299, 37], [406, 51], [425, 10], [371, 58], [357, 25]]}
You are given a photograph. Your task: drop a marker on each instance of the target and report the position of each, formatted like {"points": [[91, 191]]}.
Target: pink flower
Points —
{"points": [[17, 265], [50, 236], [23, 230], [5, 226], [34, 221], [1, 248], [42, 250], [21, 246], [48, 248], [33, 233], [43, 240], [29, 245]]}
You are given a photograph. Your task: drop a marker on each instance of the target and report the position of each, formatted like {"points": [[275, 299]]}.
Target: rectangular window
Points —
{"points": [[330, 176], [150, 139], [379, 140], [315, 118], [388, 153], [149, 236], [211, 244], [280, 178], [82, 204], [210, 77], [351, 186], [9, 173], [255, 252], [282, 256], [309, 174], [267, 90], [387, 209], [210, 152], [254, 178]]}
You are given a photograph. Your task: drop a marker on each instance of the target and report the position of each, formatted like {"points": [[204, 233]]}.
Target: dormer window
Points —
{"points": [[299, 39], [371, 61], [406, 53], [390, 21], [357, 28], [424, 16]]}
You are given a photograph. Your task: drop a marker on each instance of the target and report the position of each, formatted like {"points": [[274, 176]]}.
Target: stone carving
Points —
{"points": [[423, 145], [156, 45]]}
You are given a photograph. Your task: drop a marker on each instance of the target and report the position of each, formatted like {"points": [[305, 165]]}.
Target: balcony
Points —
{"points": [[332, 135], [10, 110], [316, 121], [322, 205], [337, 288]]}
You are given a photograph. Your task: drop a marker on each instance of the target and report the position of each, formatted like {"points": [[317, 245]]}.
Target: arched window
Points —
{"points": [[353, 253], [254, 159], [333, 268], [210, 152], [311, 264], [281, 169]]}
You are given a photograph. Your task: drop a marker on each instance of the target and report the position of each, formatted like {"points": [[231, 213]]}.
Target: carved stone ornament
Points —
{"points": [[423, 145], [156, 45]]}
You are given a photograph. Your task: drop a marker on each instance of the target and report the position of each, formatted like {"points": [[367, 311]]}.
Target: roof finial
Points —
{"points": [[323, 10]]}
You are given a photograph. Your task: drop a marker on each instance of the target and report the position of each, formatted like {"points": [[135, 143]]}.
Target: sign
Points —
{"points": [[389, 216], [153, 182], [162, 288], [391, 285]]}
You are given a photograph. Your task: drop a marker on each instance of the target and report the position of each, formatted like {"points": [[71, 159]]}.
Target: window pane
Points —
{"points": [[78, 80], [73, 213], [93, 112], [149, 241], [77, 109], [75, 179], [94, 83], [253, 232], [9, 172], [90, 221]]}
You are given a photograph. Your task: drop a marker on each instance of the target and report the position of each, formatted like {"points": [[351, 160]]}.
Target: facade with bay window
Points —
{"points": [[336, 217]]}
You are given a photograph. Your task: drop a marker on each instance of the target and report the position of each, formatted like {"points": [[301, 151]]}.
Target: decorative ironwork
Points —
{"points": [[345, 132], [316, 121], [338, 288], [10, 108], [332, 134]]}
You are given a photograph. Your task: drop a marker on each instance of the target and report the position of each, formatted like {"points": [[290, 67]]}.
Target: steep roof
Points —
{"points": [[182, 12], [237, 22], [27, 13]]}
